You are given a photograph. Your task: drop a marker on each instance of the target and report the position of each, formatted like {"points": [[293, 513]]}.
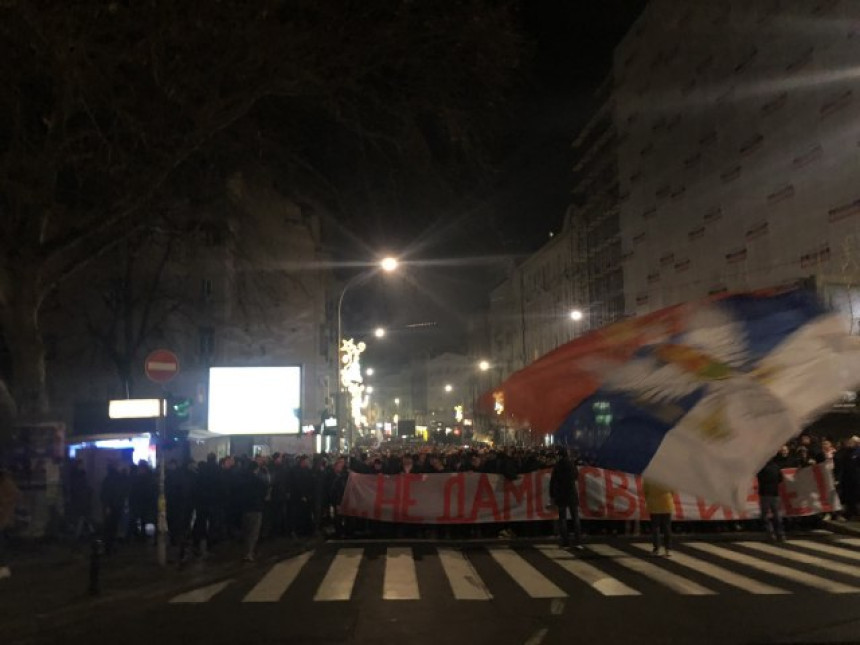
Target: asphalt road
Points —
{"points": [[730, 591]]}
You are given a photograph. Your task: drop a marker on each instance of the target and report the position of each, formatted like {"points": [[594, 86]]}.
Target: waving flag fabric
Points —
{"points": [[696, 397]]}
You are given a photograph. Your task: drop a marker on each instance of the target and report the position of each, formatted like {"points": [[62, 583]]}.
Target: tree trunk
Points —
{"points": [[19, 320]]}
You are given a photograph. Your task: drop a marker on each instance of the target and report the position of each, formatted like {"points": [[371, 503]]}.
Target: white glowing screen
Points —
{"points": [[255, 400]]}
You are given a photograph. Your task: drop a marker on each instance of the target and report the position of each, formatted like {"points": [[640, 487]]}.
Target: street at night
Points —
{"points": [[725, 590], [504, 322]]}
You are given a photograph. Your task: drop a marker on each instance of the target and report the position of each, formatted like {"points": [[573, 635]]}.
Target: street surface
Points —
{"points": [[729, 591]]}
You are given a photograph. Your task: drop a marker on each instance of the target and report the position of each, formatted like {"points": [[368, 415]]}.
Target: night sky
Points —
{"points": [[458, 257]]}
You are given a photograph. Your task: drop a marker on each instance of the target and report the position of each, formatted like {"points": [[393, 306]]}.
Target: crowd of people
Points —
{"points": [[245, 499]]}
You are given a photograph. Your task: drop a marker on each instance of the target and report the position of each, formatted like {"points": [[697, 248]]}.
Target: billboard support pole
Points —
{"points": [[161, 526]]}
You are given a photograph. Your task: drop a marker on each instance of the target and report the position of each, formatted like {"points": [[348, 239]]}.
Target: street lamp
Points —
{"points": [[379, 332], [576, 315], [387, 264], [369, 371], [449, 387], [484, 366]]}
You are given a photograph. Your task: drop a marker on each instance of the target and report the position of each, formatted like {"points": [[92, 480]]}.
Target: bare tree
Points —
{"points": [[104, 104]]}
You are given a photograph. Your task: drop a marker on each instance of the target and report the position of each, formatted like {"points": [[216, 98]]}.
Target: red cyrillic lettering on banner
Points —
{"points": [[521, 487], [406, 500], [823, 488], [641, 508], [679, 507], [622, 491], [458, 481], [485, 497], [789, 493], [708, 511], [594, 474], [380, 500], [540, 505]]}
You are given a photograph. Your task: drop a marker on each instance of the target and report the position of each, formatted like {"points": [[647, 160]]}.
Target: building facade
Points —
{"points": [[738, 149], [241, 289]]}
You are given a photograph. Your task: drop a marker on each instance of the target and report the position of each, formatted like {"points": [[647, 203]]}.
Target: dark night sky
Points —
{"points": [[572, 44]]}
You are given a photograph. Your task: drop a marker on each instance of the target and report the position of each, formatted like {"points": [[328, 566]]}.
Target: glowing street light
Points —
{"points": [[396, 401], [449, 387], [484, 366], [369, 371], [388, 265], [379, 332], [576, 314], [369, 389]]}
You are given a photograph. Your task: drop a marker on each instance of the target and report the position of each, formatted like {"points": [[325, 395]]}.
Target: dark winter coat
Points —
{"points": [[769, 479]]}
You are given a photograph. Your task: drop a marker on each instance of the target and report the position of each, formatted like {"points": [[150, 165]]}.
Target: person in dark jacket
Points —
{"points": [[336, 492], [255, 488], [302, 495], [206, 493], [562, 490], [769, 479], [113, 496]]}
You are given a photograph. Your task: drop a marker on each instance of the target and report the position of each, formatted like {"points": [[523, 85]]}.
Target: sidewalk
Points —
{"points": [[52, 582]]}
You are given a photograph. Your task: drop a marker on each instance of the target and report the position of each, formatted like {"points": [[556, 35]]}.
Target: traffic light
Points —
{"points": [[178, 415]]}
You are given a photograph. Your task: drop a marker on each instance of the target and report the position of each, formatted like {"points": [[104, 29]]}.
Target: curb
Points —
{"points": [[845, 528]]}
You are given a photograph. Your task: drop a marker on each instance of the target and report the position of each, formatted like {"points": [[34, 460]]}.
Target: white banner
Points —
{"points": [[474, 498]]}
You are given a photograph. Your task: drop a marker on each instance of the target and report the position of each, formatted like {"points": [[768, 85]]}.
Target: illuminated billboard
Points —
{"points": [[255, 400]]}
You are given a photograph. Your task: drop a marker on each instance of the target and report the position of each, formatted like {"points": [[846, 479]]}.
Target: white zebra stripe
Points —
{"points": [[465, 582], [591, 575], [721, 574], [340, 577], [401, 581], [279, 578], [848, 554], [782, 571], [534, 583], [675, 582], [804, 558], [201, 594]]}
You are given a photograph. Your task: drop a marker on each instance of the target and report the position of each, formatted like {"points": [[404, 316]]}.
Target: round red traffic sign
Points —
{"points": [[161, 366]]}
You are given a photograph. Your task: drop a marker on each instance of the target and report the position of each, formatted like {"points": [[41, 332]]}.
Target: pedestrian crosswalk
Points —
{"points": [[404, 573]]}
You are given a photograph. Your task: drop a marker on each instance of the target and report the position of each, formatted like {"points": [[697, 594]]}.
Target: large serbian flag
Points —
{"points": [[696, 397]]}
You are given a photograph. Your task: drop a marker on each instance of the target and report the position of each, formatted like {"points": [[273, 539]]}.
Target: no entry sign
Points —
{"points": [[161, 366]]}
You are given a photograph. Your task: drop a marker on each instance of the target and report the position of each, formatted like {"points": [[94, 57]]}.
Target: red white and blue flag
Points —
{"points": [[696, 397]]}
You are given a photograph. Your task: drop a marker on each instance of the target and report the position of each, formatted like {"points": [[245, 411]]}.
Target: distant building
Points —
{"points": [[738, 157], [241, 289], [577, 270]]}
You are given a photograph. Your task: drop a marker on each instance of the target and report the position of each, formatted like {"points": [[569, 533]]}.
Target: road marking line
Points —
{"points": [[401, 581], [719, 573], [277, 580], [201, 594], [827, 548], [525, 575], [465, 582], [851, 541], [537, 637], [340, 578], [802, 577], [591, 575], [675, 582], [804, 558]]}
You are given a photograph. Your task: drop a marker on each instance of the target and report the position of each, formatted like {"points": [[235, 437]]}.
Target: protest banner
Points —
{"points": [[475, 498]]}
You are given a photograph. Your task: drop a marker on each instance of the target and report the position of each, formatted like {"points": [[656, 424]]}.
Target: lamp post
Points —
{"points": [[388, 265]]}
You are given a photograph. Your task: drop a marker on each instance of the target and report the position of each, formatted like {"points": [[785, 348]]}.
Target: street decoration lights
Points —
{"points": [[349, 352]]}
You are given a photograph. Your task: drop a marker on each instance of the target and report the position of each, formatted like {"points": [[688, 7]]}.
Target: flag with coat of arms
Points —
{"points": [[696, 397]]}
